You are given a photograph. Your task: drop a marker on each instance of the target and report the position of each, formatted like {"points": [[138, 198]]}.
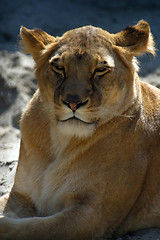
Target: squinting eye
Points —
{"points": [[57, 69], [102, 70]]}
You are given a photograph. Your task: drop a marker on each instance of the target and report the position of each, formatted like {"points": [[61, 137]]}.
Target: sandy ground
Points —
{"points": [[17, 80]]}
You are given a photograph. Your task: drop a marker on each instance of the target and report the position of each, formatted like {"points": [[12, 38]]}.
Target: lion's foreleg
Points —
{"points": [[80, 222]]}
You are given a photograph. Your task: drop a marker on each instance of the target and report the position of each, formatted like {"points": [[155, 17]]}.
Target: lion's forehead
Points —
{"points": [[87, 37]]}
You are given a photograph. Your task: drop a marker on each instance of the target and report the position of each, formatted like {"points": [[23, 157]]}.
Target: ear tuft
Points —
{"points": [[136, 39]]}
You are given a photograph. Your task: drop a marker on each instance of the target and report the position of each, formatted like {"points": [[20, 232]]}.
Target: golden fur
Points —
{"points": [[89, 159]]}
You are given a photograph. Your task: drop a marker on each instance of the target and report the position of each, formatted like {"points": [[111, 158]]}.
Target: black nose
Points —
{"points": [[74, 101]]}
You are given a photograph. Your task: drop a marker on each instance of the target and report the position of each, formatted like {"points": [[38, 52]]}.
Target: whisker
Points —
{"points": [[116, 114]]}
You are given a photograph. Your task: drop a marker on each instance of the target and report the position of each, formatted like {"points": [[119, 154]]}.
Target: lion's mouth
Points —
{"points": [[78, 120], [76, 126]]}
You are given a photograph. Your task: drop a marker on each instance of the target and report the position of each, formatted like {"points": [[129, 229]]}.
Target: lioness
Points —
{"points": [[89, 163]]}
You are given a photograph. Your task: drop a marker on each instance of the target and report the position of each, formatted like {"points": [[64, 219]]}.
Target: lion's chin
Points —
{"points": [[75, 127]]}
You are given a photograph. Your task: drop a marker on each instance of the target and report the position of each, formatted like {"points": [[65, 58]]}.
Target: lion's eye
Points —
{"points": [[57, 69], [102, 71], [56, 65]]}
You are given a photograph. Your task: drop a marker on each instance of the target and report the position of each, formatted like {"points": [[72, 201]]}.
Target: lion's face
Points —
{"points": [[85, 80]]}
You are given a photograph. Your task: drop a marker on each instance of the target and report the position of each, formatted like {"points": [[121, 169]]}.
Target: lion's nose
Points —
{"points": [[74, 102]]}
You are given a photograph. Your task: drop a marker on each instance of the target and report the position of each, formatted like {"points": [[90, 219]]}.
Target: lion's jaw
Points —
{"points": [[79, 123], [76, 127]]}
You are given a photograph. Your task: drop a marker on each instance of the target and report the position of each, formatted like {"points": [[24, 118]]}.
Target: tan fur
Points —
{"points": [[96, 175]]}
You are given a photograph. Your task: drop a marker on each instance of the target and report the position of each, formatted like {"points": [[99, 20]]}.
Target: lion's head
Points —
{"points": [[87, 76]]}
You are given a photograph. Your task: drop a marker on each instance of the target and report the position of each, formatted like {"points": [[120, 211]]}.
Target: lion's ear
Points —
{"points": [[136, 39], [34, 41]]}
